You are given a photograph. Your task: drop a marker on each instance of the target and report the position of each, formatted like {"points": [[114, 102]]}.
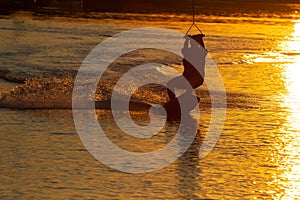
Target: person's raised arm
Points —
{"points": [[186, 44]]}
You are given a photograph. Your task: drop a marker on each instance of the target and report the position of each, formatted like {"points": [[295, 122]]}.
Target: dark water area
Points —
{"points": [[206, 7]]}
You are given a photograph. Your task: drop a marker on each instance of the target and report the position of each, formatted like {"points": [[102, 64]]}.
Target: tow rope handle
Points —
{"points": [[194, 24]]}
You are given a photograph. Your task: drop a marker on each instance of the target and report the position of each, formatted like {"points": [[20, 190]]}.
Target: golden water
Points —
{"points": [[256, 157]]}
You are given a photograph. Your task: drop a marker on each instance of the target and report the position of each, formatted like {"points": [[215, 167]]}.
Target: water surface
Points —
{"points": [[256, 157]]}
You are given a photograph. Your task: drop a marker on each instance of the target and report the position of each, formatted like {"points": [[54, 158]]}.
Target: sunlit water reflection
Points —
{"points": [[289, 161]]}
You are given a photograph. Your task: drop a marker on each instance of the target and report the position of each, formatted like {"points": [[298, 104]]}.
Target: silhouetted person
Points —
{"points": [[193, 50]]}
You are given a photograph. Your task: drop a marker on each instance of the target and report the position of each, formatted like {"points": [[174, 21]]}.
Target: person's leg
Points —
{"points": [[171, 85], [179, 82], [171, 94]]}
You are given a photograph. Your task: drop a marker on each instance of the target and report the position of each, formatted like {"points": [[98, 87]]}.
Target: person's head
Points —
{"points": [[197, 40]]}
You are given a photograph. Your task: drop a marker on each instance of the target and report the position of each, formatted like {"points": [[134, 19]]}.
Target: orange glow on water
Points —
{"points": [[293, 45], [289, 162]]}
